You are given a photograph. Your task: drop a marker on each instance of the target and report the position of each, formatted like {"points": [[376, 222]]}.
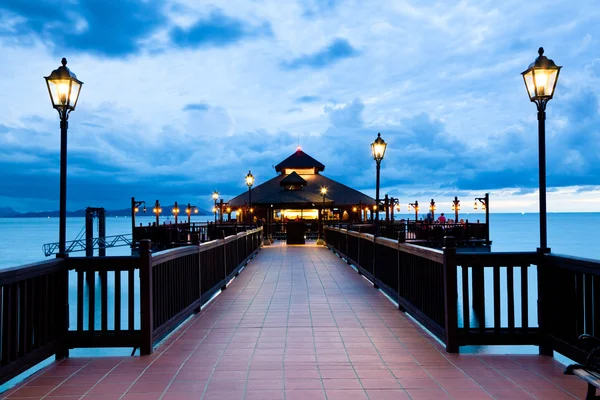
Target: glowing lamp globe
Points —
{"points": [[63, 87], [541, 78], [378, 148]]}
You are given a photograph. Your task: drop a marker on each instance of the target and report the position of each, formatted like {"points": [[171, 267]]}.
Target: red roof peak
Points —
{"points": [[299, 160]]}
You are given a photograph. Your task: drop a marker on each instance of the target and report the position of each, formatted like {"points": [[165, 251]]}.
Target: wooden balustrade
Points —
{"points": [[33, 315], [433, 286], [124, 301], [570, 300]]}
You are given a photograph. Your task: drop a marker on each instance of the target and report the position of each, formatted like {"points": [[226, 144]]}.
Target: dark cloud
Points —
{"points": [[217, 29], [307, 99], [107, 28], [336, 51], [196, 107]]}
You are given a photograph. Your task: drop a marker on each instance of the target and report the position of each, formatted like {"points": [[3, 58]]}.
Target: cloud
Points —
{"points": [[195, 107], [105, 28], [217, 29], [336, 51], [315, 8], [307, 99]]}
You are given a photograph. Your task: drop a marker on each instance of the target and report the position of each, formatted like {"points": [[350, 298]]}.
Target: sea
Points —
{"points": [[574, 234]]}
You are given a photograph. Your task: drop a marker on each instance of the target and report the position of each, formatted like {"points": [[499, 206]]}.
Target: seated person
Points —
{"points": [[442, 219]]}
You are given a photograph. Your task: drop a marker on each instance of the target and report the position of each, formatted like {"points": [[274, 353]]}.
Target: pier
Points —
{"points": [[300, 323]]}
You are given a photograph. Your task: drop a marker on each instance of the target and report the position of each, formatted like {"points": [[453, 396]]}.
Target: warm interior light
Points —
{"points": [[228, 210], [252, 210], [353, 209], [137, 209]]}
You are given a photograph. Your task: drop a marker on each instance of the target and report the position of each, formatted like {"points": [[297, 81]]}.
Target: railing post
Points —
{"points": [[224, 264], [450, 294], [63, 310], [542, 276], [146, 317], [375, 285]]}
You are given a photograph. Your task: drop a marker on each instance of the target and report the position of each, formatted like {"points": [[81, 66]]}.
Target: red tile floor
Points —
{"points": [[298, 323]]}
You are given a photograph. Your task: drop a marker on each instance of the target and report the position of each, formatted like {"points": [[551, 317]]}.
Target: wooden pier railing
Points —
{"points": [[141, 298], [535, 299]]}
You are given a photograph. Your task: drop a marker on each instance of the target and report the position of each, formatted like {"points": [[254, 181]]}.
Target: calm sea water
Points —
{"points": [[575, 234], [21, 239]]}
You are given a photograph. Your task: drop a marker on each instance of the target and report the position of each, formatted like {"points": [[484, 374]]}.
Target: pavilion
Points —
{"points": [[297, 193]]}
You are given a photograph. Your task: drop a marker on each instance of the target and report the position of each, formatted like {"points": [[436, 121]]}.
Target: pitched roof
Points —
{"points": [[292, 179], [299, 160], [271, 192]]}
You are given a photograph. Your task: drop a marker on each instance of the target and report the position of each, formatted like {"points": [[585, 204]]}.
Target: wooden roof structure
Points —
{"points": [[301, 190]]}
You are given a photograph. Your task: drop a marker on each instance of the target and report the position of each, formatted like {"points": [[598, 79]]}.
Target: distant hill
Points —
{"points": [[7, 212]]}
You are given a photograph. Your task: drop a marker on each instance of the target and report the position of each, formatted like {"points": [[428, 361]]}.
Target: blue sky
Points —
{"points": [[183, 97]]}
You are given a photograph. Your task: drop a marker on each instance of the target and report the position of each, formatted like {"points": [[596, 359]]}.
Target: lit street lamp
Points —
{"points": [[64, 88], [190, 208], [485, 206], [540, 80], [455, 208], [319, 239], [157, 210], [432, 209], [414, 206], [249, 183], [135, 207], [378, 149], [176, 212], [215, 196]]}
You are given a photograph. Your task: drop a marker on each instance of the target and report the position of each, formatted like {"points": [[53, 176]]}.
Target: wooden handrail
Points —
{"points": [[27, 271]]}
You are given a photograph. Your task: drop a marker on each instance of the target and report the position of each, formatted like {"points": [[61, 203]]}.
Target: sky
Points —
{"points": [[183, 97]]}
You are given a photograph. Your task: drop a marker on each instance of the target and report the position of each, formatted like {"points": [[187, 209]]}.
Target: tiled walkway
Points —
{"points": [[299, 324]]}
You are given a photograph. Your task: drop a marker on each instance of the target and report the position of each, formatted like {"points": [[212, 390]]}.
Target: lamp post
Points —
{"points": [[378, 149], [485, 205], [176, 212], [157, 210], [190, 208], [414, 206], [215, 196], [540, 80], [394, 206], [63, 88], [249, 183], [135, 207], [455, 208], [319, 238], [432, 209]]}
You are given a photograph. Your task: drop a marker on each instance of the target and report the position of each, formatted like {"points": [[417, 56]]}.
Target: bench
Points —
{"points": [[590, 371]]}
